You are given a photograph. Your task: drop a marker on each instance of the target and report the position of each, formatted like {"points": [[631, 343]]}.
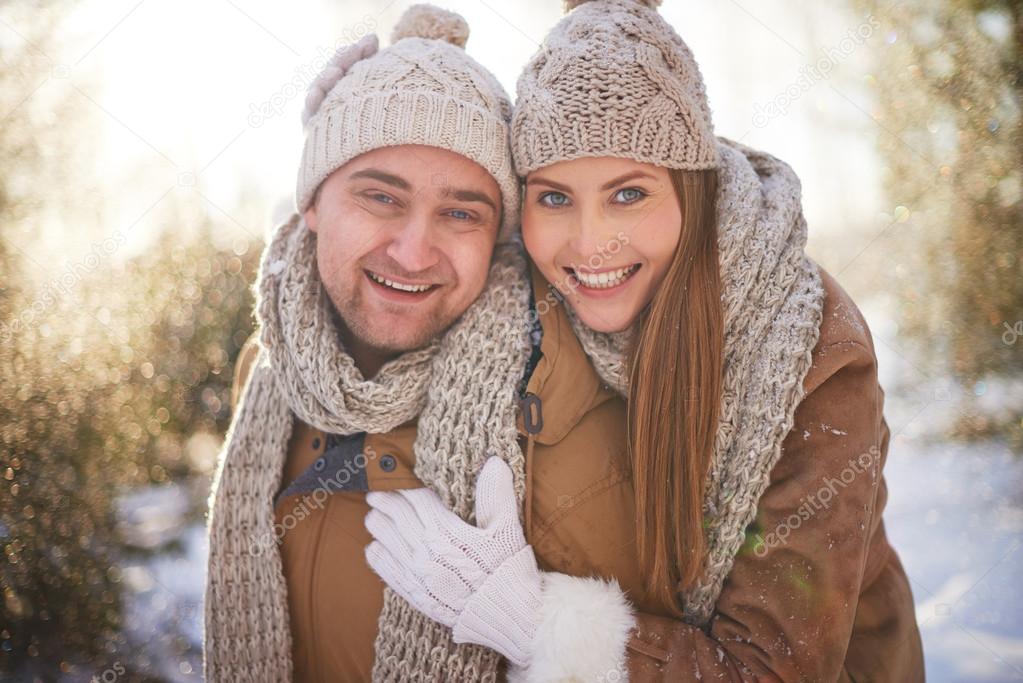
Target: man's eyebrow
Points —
{"points": [[388, 178], [469, 196]]}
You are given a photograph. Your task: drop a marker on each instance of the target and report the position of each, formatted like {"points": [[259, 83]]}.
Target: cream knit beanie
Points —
{"points": [[422, 90], [613, 78]]}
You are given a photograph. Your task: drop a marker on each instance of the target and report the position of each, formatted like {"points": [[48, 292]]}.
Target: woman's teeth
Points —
{"points": [[397, 285], [611, 278]]}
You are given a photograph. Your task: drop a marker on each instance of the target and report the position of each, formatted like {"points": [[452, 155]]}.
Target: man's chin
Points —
{"points": [[391, 332], [399, 346], [410, 339]]}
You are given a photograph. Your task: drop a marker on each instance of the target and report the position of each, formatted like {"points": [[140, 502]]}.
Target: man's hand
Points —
{"points": [[482, 581]]}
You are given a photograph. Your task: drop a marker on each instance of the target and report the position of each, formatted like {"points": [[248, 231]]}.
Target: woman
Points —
{"points": [[755, 437]]}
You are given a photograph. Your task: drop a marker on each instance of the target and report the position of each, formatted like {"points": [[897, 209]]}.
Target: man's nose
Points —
{"points": [[413, 246]]}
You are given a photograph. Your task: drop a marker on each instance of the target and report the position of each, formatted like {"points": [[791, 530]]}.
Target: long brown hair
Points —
{"points": [[675, 377]]}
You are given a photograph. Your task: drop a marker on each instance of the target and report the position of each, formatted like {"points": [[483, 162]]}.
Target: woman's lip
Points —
{"points": [[588, 271], [577, 285]]}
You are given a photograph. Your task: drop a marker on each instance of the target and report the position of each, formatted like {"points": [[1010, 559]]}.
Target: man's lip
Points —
{"points": [[398, 296], [399, 280]]}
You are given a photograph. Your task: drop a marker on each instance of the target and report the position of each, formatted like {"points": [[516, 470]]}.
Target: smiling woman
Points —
{"points": [[576, 208]]}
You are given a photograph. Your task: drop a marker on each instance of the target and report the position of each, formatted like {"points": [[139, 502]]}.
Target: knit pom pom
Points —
{"points": [[334, 71], [429, 21], [572, 4]]}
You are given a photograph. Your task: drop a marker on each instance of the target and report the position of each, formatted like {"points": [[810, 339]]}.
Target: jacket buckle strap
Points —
{"points": [[532, 413]]}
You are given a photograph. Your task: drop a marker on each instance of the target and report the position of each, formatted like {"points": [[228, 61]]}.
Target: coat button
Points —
{"points": [[316, 443], [320, 464], [387, 462]]}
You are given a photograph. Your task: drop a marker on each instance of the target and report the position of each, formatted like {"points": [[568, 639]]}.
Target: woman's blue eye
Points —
{"points": [[553, 199], [629, 195]]}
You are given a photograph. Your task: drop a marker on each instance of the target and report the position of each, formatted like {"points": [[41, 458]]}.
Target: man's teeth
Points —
{"points": [[398, 285], [611, 278]]}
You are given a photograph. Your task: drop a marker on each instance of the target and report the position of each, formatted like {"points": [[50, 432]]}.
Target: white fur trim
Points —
{"points": [[584, 626]]}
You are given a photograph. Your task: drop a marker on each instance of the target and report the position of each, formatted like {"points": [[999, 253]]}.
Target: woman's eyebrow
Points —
{"points": [[632, 175], [539, 180]]}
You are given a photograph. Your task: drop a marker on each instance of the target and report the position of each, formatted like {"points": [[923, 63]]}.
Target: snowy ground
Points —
{"points": [[164, 591], [955, 516]]}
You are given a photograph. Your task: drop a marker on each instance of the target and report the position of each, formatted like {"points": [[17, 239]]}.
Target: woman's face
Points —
{"points": [[603, 230]]}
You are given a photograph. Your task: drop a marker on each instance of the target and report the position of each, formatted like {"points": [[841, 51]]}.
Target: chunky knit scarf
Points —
{"points": [[773, 302], [462, 387]]}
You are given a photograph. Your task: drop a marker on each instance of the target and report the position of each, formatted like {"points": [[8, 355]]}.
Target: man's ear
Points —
{"points": [[311, 218]]}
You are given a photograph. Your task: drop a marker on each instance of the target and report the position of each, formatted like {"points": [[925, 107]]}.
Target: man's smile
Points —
{"points": [[394, 289]]}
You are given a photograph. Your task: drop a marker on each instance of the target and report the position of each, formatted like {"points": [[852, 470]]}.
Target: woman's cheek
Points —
{"points": [[540, 246], [657, 237]]}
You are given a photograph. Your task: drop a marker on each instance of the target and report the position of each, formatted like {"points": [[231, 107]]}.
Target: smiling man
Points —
{"points": [[403, 248], [370, 313]]}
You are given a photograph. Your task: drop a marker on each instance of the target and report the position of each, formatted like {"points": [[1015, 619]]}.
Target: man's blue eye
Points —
{"points": [[553, 199], [629, 195], [383, 199], [461, 215]]}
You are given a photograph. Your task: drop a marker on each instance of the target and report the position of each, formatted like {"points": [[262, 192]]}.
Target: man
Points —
{"points": [[405, 187]]}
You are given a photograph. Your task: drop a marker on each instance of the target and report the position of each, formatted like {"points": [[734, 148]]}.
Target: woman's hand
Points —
{"points": [[482, 582]]}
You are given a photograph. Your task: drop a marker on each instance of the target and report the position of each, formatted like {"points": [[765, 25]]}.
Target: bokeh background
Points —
{"points": [[148, 147]]}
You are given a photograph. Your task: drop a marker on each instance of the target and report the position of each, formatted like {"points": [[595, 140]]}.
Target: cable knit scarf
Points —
{"points": [[462, 387], [773, 301]]}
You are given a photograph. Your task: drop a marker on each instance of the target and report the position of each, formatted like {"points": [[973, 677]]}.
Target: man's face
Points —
{"points": [[404, 240]]}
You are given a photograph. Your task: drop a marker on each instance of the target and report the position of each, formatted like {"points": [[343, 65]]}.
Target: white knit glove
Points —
{"points": [[482, 582]]}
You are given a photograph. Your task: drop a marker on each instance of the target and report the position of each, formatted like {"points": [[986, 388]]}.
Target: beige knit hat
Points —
{"points": [[613, 78], [422, 90]]}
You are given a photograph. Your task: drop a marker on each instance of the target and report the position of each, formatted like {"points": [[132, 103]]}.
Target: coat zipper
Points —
{"points": [[532, 423]]}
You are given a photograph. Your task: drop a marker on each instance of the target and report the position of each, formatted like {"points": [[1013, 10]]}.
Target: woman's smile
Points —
{"points": [[602, 283]]}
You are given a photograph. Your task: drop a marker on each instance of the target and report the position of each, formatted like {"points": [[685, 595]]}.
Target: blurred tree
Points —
{"points": [[949, 88], [108, 369], [53, 574]]}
